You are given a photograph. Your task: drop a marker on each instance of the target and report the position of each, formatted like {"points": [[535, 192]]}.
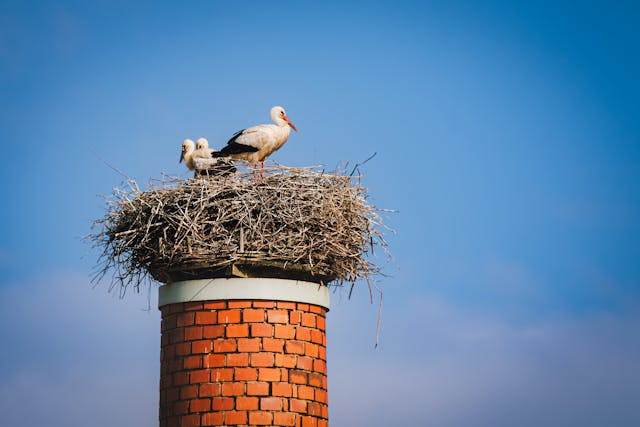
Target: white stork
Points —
{"points": [[256, 143], [204, 164], [188, 146]]}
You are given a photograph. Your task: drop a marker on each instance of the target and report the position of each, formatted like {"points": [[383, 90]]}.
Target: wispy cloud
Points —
{"points": [[72, 355], [443, 366]]}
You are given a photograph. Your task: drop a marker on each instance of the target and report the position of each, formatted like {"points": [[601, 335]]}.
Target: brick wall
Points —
{"points": [[243, 363]]}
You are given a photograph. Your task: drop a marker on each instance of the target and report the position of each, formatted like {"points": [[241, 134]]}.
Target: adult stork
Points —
{"points": [[256, 143]]}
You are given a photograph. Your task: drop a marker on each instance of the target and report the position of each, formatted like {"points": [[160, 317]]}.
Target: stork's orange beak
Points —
{"points": [[290, 124]]}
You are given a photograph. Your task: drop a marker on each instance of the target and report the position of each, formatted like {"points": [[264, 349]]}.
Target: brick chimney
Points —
{"points": [[243, 351]]}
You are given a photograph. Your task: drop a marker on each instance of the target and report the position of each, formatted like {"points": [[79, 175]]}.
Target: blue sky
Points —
{"points": [[508, 137]]}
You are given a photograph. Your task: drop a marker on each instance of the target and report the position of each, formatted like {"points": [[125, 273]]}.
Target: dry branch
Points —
{"points": [[295, 223]]}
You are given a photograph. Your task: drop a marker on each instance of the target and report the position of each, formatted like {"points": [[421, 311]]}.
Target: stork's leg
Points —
{"points": [[262, 171]]}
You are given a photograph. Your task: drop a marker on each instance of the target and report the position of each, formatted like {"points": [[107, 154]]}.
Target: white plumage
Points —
{"points": [[188, 147], [256, 143]]}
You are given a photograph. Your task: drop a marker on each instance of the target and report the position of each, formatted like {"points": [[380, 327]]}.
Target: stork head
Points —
{"points": [[202, 143], [279, 116], [187, 148]]}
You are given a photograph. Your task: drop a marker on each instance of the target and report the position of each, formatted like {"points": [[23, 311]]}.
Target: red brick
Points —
{"points": [[181, 407], [298, 377], [317, 380], [213, 360], [285, 331], [208, 390], [258, 389], [212, 419], [316, 309], [262, 359], [303, 307], [180, 378], [269, 374], [286, 305], [295, 317], [314, 408], [322, 353], [199, 376], [239, 304], [185, 319], [222, 374], [193, 362], [245, 374], [323, 423], [250, 345], [188, 392], [191, 420], [305, 392], [297, 405], [321, 396], [321, 323], [271, 403], [254, 315], [224, 345], [215, 331], [170, 394], [278, 316], [320, 366], [309, 320], [285, 419], [239, 330], [247, 403], [294, 347], [183, 348], [282, 389], [229, 316], [285, 360], [311, 350], [233, 389], [235, 417], [214, 305], [223, 403], [260, 418], [238, 359], [309, 422], [303, 334], [206, 318], [203, 346], [305, 363], [192, 306], [261, 330], [264, 304], [317, 336], [193, 333], [171, 309], [176, 335], [274, 345], [199, 405]]}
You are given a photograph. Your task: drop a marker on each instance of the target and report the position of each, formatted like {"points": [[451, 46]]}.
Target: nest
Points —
{"points": [[294, 223]]}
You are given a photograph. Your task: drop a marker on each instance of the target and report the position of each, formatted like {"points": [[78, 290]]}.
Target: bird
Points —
{"points": [[202, 149], [188, 146], [204, 163], [202, 143], [256, 143]]}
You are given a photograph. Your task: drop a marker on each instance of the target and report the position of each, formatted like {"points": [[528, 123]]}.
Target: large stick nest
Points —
{"points": [[293, 223]]}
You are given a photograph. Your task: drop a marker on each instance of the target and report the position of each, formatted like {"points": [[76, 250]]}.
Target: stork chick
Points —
{"points": [[188, 146]]}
